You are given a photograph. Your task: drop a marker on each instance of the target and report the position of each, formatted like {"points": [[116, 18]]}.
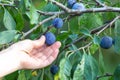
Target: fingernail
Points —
{"points": [[58, 44]]}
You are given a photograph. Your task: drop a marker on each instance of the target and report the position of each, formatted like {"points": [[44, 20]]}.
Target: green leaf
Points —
{"points": [[73, 36], [93, 48], [85, 31], [21, 75], [75, 57], [117, 27], [117, 37], [33, 15], [90, 20], [65, 69], [96, 39], [50, 7], [87, 69], [117, 73], [8, 20], [27, 3], [73, 25], [7, 36], [19, 20], [101, 63], [12, 76]]}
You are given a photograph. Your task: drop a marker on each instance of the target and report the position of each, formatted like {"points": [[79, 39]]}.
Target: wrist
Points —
{"points": [[9, 61]]}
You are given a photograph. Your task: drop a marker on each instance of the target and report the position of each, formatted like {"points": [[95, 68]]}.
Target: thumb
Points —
{"points": [[40, 42]]}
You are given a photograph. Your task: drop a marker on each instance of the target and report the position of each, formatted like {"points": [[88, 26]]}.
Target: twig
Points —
{"points": [[78, 13], [94, 31], [99, 3], [108, 25], [83, 47], [50, 13], [9, 5], [60, 5], [106, 75], [37, 26]]}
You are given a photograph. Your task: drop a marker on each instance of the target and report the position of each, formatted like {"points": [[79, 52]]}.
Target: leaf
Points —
{"points": [[101, 63], [19, 20], [21, 75], [73, 36], [117, 37], [90, 20], [117, 73], [85, 31], [96, 39], [11, 76], [27, 3], [75, 57], [8, 20], [65, 69], [7, 36], [117, 28], [87, 69], [33, 15], [73, 25], [93, 48]]}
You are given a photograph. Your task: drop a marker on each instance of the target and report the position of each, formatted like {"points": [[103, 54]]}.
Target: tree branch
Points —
{"points": [[50, 13], [106, 75], [77, 12], [60, 5], [99, 3], [94, 31], [37, 26], [9, 5]]}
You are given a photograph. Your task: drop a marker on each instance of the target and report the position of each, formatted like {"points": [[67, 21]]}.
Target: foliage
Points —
{"points": [[80, 57]]}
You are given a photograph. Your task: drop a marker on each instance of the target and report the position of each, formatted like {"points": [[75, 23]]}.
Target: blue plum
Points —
{"points": [[106, 42], [71, 3], [57, 22], [50, 38], [78, 6], [54, 69]]}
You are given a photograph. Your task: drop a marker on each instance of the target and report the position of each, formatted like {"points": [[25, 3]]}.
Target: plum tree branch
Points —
{"points": [[99, 3], [83, 47], [50, 13], [77, 12], [9, 5], [37, 26], [60, 5], [108, 25], [106, 75], [94, 31]]}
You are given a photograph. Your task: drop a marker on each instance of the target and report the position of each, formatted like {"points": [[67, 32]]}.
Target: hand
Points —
{"points": [[35, 54]]}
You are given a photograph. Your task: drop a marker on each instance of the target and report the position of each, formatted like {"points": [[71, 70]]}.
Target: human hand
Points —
{"points": [[35, 54]]}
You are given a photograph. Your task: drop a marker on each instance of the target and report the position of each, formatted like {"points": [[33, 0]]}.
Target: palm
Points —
{"points": [[38, 54]]}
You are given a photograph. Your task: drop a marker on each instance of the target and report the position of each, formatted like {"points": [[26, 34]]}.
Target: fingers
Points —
{"points": [[51, 58], [56, 45], [38, 43], [48, 50]]}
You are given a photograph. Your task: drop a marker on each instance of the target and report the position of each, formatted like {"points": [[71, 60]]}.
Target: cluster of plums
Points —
{"points": [[50, 37], [76, 5], [105, 43]]}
